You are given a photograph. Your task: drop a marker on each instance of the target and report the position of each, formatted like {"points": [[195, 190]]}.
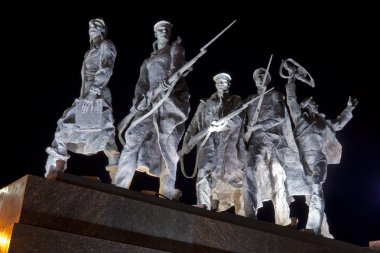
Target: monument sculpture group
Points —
{"points": [[266, 147]]}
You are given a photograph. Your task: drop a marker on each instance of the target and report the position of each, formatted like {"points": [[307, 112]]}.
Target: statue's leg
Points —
{"points": [[318, 164], [113, 156], [281, 206], [316, 209], [239, 202], [128, 161], [203, 189], [250, 193], [169, 167], [167, 182], [325, 230], [57, 158], [58, 154]]}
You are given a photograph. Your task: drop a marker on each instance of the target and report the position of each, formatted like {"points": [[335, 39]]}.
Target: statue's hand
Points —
{"points": [[352, 102], [185, 150], [87, 105], [133, 110], [289, 68], [165, 85], [218, 126], [143, 104], [300, 75], [255, 127], [88, 102]]}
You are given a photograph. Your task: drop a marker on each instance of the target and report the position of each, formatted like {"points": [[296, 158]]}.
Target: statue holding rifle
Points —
{"points": [[273, 169], [157, 118], [221, 152]]}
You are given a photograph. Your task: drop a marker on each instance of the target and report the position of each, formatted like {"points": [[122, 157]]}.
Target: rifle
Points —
{"points": [[194, 140], [205, 133], [258, 107], [200, 135], [173, 79]]}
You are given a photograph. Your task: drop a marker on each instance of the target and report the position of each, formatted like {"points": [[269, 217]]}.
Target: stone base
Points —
{"points": [[26, 238], [101, 217]]}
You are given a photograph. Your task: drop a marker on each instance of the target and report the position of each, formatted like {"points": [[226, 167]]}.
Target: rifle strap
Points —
{"points": [[195, 170]]}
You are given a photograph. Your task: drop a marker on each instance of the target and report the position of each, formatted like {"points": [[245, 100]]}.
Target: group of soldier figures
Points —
{"points": [[247, 151]]}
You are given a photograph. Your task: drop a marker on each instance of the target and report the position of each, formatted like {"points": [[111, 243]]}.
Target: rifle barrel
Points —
{"points": [[217, 36]]}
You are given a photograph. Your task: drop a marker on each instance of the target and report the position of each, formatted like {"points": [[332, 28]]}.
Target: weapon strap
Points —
{"points": [[195, 170]]}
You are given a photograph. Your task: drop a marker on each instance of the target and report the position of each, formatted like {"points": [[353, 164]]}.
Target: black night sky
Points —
{"points": [[44, 51]]}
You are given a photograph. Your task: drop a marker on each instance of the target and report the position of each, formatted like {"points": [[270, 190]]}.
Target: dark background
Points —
{"points": [[45, 45]]}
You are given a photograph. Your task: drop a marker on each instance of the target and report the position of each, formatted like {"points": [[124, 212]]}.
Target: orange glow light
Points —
{"points": [[5, 238]]}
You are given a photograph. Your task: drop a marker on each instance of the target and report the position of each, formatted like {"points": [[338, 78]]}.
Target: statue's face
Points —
{"points": [[163, 34], [258, 78], [222, 85], [95, 29]]}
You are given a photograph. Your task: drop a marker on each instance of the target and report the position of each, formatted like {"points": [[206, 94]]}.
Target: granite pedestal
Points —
{"points": [[74, 214]]}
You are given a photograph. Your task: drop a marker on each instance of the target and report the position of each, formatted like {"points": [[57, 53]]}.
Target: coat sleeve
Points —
{"points": [[195, 126], [291, 100], [177, 54], [338, 123], [106, 64]]}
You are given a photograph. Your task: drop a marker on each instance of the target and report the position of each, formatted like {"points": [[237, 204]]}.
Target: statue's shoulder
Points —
{"points": [[176, 45], [177, 42], [278, 95], [203, 101], [250, 97], [108, 44], [202, 105], [237, 98]]}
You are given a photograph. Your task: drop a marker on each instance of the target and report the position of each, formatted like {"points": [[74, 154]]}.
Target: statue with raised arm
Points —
{"points": [[87, 127], [221, 154], [273, 170], [151, 146], [315, 137]]}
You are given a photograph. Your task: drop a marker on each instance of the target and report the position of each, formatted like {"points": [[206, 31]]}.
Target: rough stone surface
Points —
{"points": [[88, 208], [44, 240]]}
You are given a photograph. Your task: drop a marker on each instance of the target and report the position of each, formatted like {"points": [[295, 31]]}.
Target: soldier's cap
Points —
{"points": [[305, 102], [162, 23], [261, 71], [222, 76], [98, 21]]}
